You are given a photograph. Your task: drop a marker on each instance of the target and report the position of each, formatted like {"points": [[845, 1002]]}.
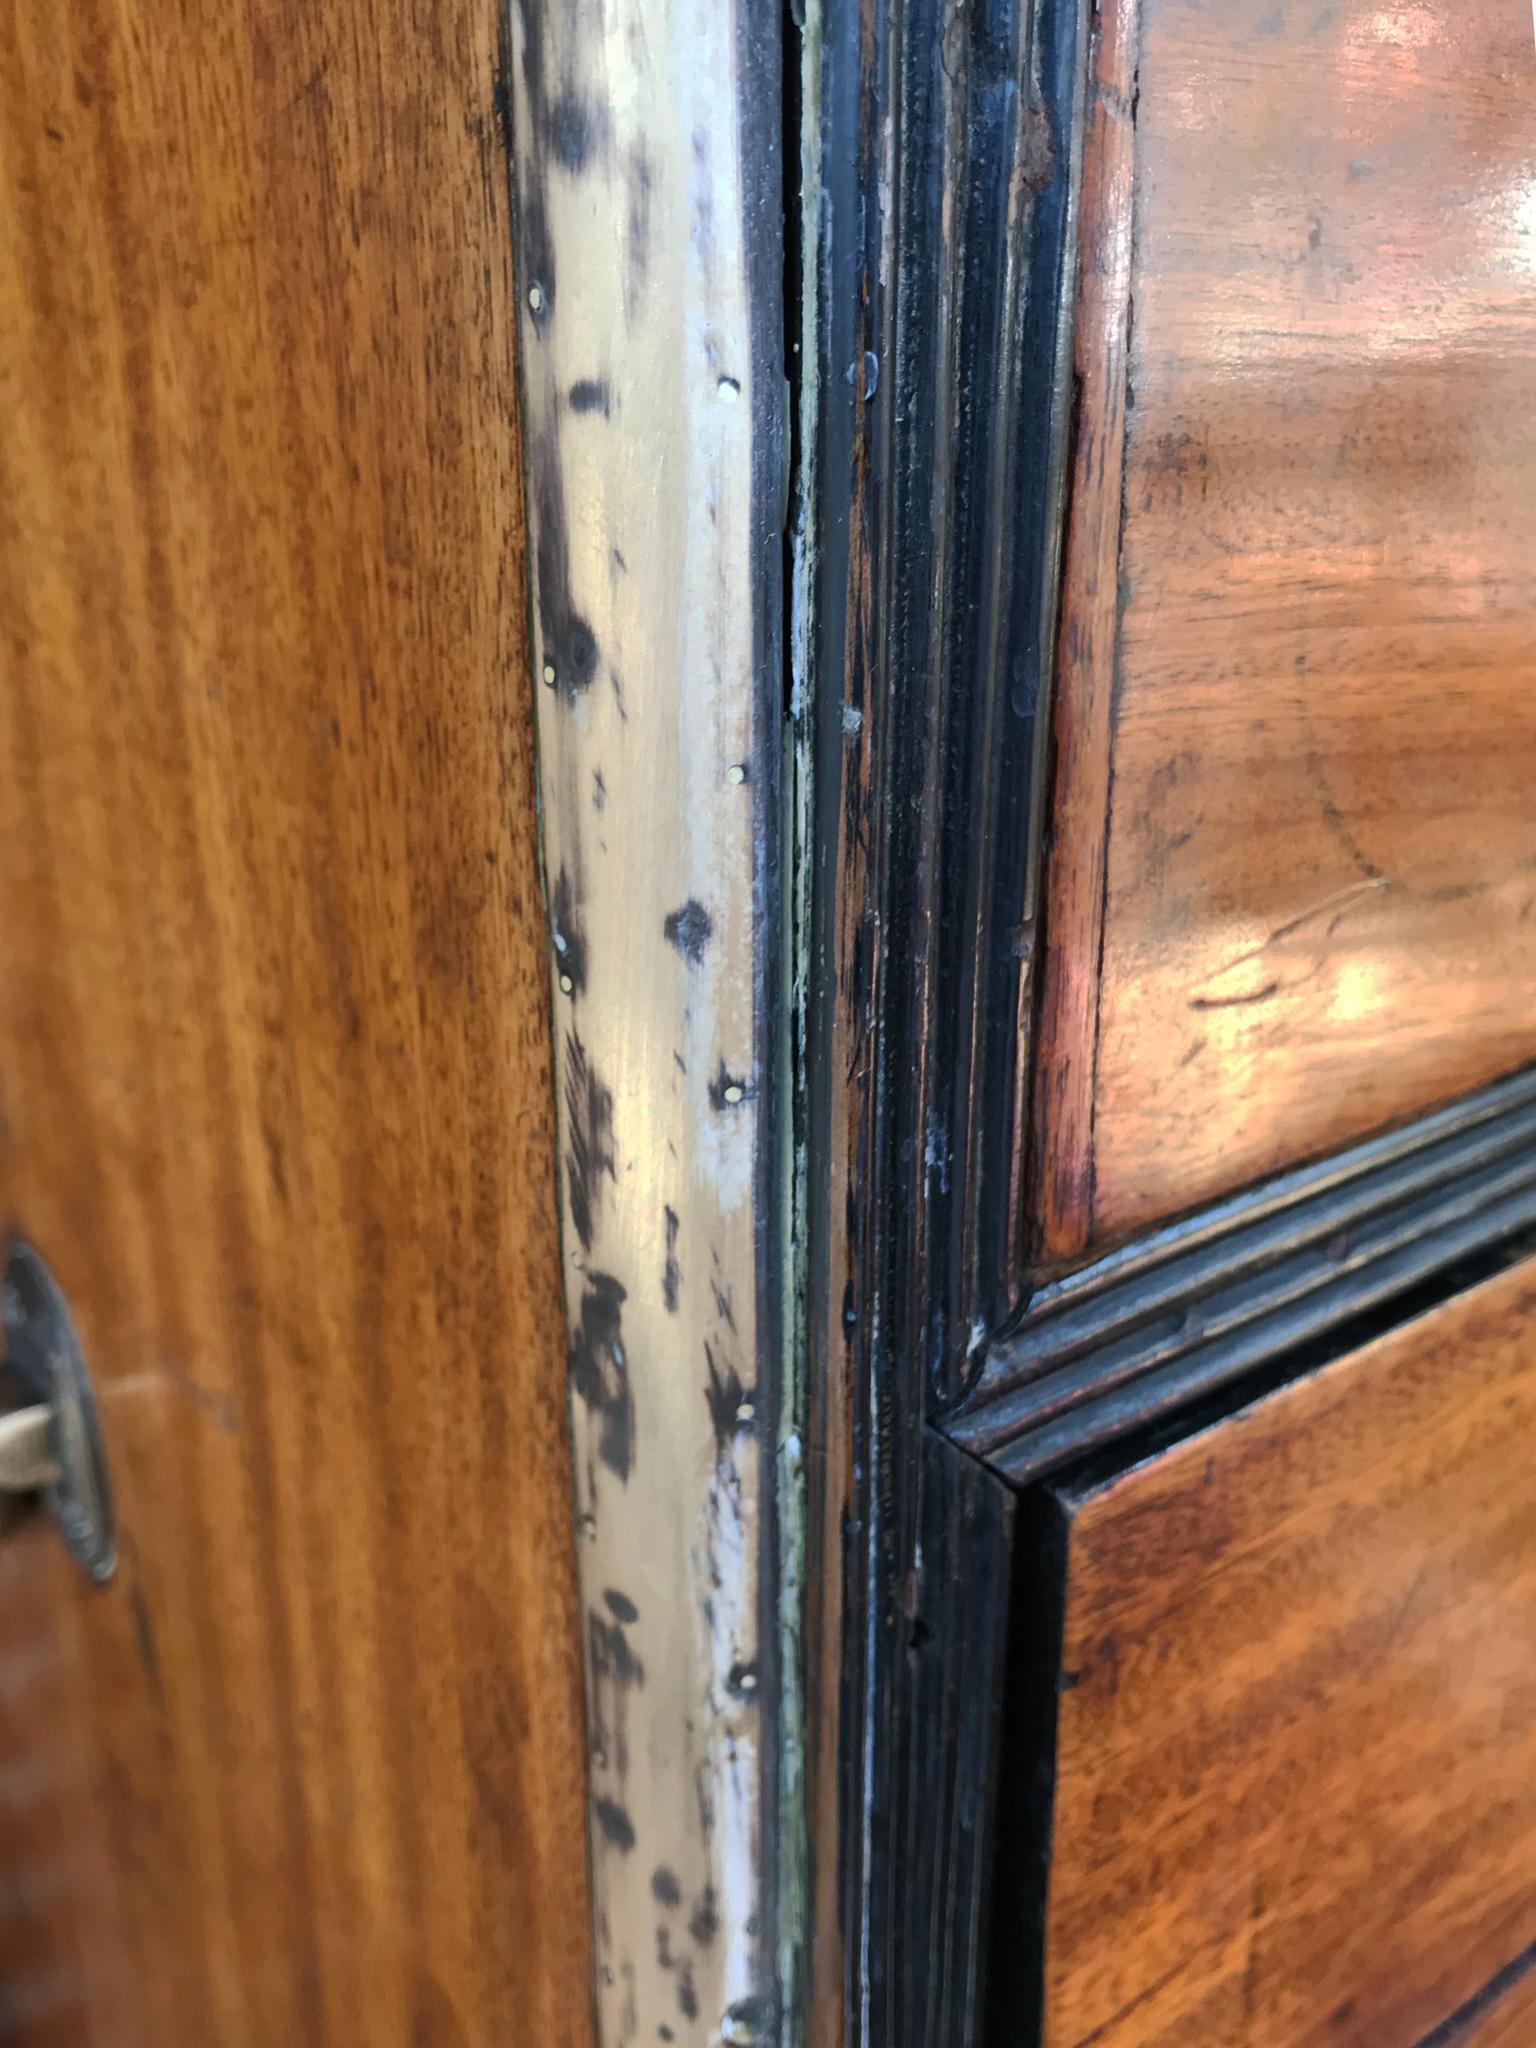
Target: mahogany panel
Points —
{"points": [[1295, 1789], [1292, 887], [273, 1043]]}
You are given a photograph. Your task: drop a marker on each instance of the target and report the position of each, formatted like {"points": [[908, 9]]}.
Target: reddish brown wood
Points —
{"points": [[273, 1043], [1295, 1793], [1083, 711], [1311, 804]]}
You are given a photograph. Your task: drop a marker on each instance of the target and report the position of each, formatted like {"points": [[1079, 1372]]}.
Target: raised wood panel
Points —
{"points": [[1292, 885], [273, 1043], [1295, 1784]]}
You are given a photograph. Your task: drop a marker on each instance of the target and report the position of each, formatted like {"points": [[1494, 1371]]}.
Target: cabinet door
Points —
{"points": [[274, 1062]]}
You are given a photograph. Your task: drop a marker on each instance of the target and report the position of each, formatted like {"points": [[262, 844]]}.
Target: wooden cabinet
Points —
{"points": [[768, 985]]}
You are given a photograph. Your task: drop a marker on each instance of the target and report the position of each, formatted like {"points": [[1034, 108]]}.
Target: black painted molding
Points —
{"points": [[934, 398], [954, 1638], [1169, 1320]]}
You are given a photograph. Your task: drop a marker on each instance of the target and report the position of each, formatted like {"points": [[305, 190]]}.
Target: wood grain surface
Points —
{"points": [[273, 1044], [1292, 891], [1295, 1795]]}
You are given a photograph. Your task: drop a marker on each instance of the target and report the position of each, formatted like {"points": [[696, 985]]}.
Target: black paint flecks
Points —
{"points": [[730, 1405], [599, 1371], [689, 929], [702, 233], [752, 2019], [589, 1156], [614, 1663], [726, 1090], [576, 130], [567, 646], [590, 394], [571, 649], [704, 1921], [638, 180], [680, 1967], [678, 1947], [724, 1306], [615, 1673], [567, 643], [567, 130], [671, 1272], [534, 245], [568, 936], [620, 1606], [615, 1823]]}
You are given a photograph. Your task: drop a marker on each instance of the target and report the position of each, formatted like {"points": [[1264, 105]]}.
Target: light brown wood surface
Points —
{"points": [[273, 1044], [1292, 887], [1296, 1751]]}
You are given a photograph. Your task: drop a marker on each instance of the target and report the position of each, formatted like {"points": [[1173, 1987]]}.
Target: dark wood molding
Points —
{"points": [[952, 1633], [1170, 1319], [935, 391]]}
